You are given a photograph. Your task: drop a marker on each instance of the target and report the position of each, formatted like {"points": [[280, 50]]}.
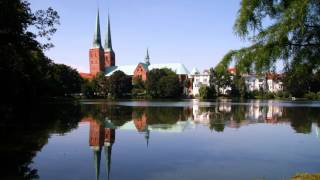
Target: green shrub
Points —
{"points": [[270, 95], [206, 92], [311, 96]]}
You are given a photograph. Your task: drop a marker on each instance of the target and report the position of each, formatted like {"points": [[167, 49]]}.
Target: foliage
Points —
{"points": [[238, 87], [138, 87], [300, 79], [101, 85], [170, 87], [163, 83], [88, 88], [312, 95], [26, 72], [120, 84], [283, 30], [306, 176], [220, 79], [63, 80], [206, 92]]}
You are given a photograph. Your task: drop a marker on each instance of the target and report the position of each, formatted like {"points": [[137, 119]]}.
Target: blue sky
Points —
{"points": [[194, 32]]}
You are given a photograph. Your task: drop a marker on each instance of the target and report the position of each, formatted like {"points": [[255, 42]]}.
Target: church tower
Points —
{"points": [[96, 57], [109, 56]]}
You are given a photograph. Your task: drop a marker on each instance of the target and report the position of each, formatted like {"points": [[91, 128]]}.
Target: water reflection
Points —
{"points": [[30, 135], [25, 131], [101, 136], [105, 120], [178, 119]]}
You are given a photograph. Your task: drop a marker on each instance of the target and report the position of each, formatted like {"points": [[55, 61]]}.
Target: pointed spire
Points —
{"points": [[108, 41], [147, 136], [147, 58], [97, 159], [97, 35], [107, 151]]}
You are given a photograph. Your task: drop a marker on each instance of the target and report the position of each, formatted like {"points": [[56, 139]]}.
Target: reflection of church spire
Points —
{"points": [[107, 151], [147, 136], [96, 136], [318, 132], [97, 159], [109, 138]]}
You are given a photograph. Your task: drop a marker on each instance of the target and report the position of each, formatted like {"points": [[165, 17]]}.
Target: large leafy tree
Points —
{"points": [[220, 79], [101, 83], [163, 83], [24, 69], [63, 80], [120, 84], [279, 30]]}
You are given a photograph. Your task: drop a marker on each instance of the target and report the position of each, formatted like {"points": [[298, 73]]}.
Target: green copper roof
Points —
{"points": [[195, 71], [108, 41], [147, 58], [97, 35], [127, 69], [179, 68]]}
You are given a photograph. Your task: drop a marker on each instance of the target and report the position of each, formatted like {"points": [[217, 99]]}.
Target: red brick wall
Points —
{"points": [[96, 61], [96, 135], [109, 135], [140, 72]]}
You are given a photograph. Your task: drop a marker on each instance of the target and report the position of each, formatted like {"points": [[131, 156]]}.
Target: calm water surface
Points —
{"points": [[164, 140]]}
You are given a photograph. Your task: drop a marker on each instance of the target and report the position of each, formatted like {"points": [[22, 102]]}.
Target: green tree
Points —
{"points": [[238, 86], [26, 71], [138, 86], [169, 86], [206, 92], [301, 79], [120, 84], [220, 79], [64, 80], [101, 85], [279, 30], [163, 83], [88, 88], [152, 82]]}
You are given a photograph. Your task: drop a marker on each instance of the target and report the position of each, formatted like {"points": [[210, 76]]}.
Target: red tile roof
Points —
{"points": [[86, 75]]}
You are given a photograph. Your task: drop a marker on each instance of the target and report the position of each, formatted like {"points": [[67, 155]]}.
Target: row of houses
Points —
{"points": [[269, 82]]}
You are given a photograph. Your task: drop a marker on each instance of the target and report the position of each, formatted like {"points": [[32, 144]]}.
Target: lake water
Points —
{"points": [[154, 140]]}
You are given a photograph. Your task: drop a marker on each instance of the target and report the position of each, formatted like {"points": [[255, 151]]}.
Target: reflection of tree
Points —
{"points": [[301, 118], [235, 116], [161, 115], [24, 134], [118, 114], [217, 122]]}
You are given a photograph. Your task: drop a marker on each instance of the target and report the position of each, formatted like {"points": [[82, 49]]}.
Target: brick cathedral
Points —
{"points": [[102, 59]]}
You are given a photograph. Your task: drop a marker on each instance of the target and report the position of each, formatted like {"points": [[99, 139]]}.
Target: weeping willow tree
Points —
{"points": [[278, 30]]}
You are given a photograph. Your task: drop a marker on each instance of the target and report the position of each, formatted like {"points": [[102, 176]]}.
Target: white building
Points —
{"points": [[199, 79], [274, 83], [255, 82]]}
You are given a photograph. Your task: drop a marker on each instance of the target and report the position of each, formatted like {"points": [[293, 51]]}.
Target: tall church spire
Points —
{"points": [[147, 58], [97, 35], [108, 41]]}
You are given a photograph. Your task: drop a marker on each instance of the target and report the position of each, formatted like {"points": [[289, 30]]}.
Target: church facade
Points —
{"points": [[103, 59]]}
